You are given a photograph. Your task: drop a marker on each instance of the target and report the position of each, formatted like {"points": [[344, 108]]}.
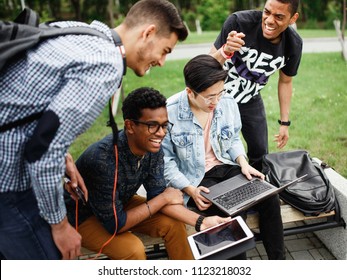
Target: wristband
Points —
{"points": [[284, 123], [224, 54], [199, 223], [149, 210]]}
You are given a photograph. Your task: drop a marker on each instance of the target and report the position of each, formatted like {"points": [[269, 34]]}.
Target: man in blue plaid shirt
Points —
{"points": [[70, 79]]}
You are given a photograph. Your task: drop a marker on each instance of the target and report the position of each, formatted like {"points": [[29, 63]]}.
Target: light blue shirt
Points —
{"points": [[184, 146]]}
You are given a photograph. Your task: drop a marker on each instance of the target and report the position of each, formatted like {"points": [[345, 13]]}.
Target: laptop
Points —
{"points": [[237, 194]]}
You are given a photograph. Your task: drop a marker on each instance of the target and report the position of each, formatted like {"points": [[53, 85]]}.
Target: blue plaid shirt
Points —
{"points": [[73, 76]]}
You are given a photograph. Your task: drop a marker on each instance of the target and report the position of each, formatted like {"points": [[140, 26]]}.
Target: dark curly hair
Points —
{"points": [[139, 99]]}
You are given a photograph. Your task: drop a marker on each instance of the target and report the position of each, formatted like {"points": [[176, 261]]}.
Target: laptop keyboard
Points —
{"points": [[241, 194]]}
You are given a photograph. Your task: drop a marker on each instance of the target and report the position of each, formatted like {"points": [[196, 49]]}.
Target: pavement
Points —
{"points": [[312, 45], [304, 246]]}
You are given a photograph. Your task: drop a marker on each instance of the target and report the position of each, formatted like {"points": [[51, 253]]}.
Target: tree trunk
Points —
{"points": [[338, 28], [77, 8], [110, 13], [344, 19]]}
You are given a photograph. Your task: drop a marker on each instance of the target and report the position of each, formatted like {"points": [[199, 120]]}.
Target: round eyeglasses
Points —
{"points": [[212, 98], [153, 127]]}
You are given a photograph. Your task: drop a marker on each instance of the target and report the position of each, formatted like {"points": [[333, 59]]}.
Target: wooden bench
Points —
{"points": [[294, 222]]}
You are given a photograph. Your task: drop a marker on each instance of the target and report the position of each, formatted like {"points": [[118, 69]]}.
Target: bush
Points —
{"points": [[211, 14]]}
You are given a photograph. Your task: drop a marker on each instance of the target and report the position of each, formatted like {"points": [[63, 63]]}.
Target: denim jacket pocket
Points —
{"points": [[225, 138], [184, 145]]}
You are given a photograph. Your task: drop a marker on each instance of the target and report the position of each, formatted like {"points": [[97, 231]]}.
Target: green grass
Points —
{"points": [[318, 110], [205, 37], [317, 33]]}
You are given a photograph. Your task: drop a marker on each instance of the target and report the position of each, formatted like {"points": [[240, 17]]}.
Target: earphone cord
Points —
{"points": [[114, 128], [113, 205]]}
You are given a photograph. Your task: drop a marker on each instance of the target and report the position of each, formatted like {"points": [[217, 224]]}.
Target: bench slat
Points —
{"points": [[289, 215]]}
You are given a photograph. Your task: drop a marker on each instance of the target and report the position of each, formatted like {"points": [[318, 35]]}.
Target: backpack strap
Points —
{"points": [[20, 122], [118, 42], [29, 17], [111, 122]]}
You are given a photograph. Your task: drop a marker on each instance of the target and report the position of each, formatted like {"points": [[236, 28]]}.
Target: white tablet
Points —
{"points": [[220, 237]]}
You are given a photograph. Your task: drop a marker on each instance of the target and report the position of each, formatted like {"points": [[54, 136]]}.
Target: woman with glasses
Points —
{"points": [[204, 146], [140, 163]]}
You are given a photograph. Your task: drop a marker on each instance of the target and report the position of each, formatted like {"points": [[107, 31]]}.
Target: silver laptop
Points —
{"points": [[237, 194]]}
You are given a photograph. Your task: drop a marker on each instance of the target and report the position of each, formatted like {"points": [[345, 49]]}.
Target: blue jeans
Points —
{"points": [[24, 235], [254, 130]]}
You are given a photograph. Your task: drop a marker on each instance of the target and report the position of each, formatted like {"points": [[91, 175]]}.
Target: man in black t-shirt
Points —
{"points": [[253, 45]]}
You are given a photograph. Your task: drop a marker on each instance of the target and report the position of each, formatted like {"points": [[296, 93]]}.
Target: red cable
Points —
{"points": [[113, 204]]}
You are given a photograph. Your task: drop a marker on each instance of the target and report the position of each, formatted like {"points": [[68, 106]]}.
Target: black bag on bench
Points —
{"points": [[314, 194]]}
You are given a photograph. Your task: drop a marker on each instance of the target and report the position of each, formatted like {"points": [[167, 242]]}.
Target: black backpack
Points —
{"points": [[25, 32], [314, 194]]}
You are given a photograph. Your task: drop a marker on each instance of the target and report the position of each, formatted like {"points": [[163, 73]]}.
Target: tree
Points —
{"points": [[344, 7], [340, 29], [77, 9]]}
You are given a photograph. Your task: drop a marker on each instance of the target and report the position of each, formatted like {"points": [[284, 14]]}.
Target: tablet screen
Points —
{"points": [[218, 238]]}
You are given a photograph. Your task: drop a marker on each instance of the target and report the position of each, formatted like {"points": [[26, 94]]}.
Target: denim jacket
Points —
{"points": [[184, 147]]}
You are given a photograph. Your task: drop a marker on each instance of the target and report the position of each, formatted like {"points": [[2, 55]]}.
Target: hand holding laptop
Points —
{"points": [[248, 170], [196, 193], [238, 194]]}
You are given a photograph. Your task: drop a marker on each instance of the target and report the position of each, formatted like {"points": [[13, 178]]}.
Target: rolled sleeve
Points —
{"points": [[46, 177]]}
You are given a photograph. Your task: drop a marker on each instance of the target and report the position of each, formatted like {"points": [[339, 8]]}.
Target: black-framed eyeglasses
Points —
{"points": [[153, 127]]}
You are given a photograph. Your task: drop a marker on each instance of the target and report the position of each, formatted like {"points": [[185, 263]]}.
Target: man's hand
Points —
{"points": [[67, 240], [173, 196], [282, 137], [212, 221], [75, 178], [195, 193], [234, 42], [250, 171], [247, 169]]}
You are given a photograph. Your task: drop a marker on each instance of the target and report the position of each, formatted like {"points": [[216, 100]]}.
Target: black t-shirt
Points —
{"points": [[250, 68]]}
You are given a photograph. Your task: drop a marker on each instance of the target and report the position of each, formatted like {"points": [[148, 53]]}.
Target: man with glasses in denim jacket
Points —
{"points": [[140, 162], [204, 147]]}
